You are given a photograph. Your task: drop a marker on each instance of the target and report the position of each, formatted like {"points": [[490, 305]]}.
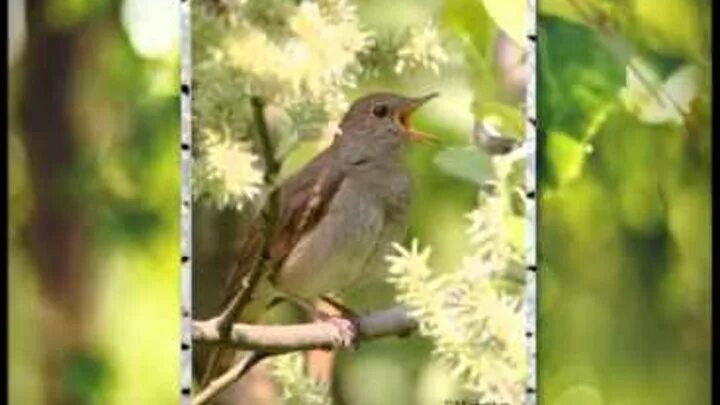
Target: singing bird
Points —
{"points": [[339, 214]]}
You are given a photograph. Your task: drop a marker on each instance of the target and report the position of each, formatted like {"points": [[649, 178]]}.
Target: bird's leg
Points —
{"points": [[329, 310], [344, 310], [347, 312]]}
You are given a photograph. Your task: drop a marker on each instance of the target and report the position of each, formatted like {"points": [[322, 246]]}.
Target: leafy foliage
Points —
{"points": [[625, 153]]}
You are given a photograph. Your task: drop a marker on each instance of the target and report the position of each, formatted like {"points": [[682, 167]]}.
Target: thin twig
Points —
{"points": [[272, 167], [227, 378], [244, 294]]}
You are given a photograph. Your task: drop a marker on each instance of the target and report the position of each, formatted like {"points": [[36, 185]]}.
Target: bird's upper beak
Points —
{"points": [[404, 113]]}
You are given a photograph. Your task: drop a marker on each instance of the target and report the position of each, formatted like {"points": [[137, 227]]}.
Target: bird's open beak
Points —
{"points": [[407, 110]]}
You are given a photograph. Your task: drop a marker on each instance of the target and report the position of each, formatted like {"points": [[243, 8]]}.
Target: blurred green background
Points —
{"points": [[624, 282], [93, 202]]}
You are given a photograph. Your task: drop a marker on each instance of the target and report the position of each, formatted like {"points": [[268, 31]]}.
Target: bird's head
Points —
{"points": [[386, 114]]}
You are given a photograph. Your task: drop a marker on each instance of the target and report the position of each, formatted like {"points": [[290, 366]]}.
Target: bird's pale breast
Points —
{"points": [[348, 244]]}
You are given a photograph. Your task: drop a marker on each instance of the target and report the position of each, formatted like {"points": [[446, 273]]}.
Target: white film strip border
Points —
{"points": [[186, 206], [530, 298]]}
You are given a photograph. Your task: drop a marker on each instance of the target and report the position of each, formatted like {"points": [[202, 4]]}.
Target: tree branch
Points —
{"points": [[272, 167], [270, 340], [308, 336], [227, 378]]}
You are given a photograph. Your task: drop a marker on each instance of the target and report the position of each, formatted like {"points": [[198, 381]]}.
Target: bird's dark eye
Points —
{"points": [[380, 110]]}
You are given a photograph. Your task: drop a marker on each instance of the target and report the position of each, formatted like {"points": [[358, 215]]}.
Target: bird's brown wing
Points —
{"points": [[304, 199]]}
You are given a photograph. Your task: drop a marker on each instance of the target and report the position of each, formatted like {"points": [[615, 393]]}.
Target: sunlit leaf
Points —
{"points": [[471, 24], [560, 8], [65, 13], [468, 164], [152, 27], [566, 156], [468, 22], [655, 101], [510, 16], [595, 13], [507, 119], [671, 26]]}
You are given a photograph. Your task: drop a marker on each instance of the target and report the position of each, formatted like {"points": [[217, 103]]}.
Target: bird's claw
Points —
{"points": [[345, 336]]}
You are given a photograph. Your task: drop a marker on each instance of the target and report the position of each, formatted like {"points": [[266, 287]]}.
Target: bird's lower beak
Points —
{"points": [[404, 118]]}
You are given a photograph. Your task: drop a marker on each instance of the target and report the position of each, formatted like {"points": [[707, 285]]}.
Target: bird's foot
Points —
{"points": [[346, 331], [329, 311]]}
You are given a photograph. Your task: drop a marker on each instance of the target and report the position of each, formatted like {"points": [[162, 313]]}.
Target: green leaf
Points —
{"points": [[508, 120], [585, 12], [654, 101], [465, 163], [510, 16], [670, 26], [468, 21], [566, 156], [578, 76], [66, 13]]}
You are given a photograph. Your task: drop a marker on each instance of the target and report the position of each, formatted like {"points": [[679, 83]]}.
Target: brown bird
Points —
{"points": [[339, 214]]}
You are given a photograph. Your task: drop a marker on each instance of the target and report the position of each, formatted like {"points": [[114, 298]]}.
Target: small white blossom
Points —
{"points": [[476, 328], [423, 50], [475, 321], [307, 63], [229, 171], [295, 386]]}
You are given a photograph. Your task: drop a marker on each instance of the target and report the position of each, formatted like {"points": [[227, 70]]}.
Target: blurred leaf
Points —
{"points": [[510, 16], [64, 13], [597, 120], [577, 76], [84, 377], [469, 22], [600, 14], [670, 26], [467, 164], [563, 9], [566, 156], [473, 26], [655, 101], [516, 227], [506, 119]]}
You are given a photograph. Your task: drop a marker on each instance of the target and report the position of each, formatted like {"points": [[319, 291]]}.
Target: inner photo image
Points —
{"points": [[360, 197]]}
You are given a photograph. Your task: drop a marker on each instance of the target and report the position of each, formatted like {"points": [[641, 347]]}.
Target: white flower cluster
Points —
{"points": [[300, 59], [312, 62], [297, 58], [475, 321], [294, 385], [228, 171], [422, 50]]}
